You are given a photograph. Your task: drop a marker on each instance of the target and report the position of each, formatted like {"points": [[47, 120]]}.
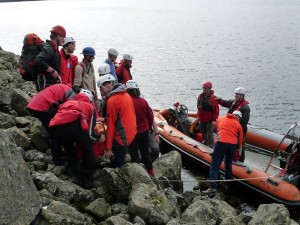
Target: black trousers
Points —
{"points": [[139, 150], [70, 133], [55, 145]]}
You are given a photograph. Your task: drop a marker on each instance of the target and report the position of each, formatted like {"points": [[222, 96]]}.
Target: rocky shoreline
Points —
{"points": [[34, 191]]}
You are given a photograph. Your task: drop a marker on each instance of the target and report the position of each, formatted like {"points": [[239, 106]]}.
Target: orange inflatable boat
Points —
{"points": [[277, 184]]}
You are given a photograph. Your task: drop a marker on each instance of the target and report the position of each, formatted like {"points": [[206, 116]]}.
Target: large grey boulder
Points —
{"points": [[19, 102], [99, 208], [61, 213], [211, 211], [119, 181], [152, 205], [20, 201], [19, 137], [116, 220], [38, 135], [6, 121], [45, 180], [271, 214], [168, 167]]}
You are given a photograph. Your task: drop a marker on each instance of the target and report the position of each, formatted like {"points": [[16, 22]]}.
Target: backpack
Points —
{"points": [[32, 45]]}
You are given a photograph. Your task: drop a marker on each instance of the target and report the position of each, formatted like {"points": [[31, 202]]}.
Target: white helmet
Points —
{"points": [[88, 93], [105, 78], [68, 40], [113, 51], [132, 84], [240, 90], [127, 57], [103, 69], [237, 113]]}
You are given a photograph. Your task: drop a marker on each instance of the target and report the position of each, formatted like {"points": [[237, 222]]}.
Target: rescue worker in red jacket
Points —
{"points": [[208, 112], [44, 106], [68, 61], [240, 104], [123, 70], [75, 121], [47, 62], [139, 148], [120, 117], [230, 134]]}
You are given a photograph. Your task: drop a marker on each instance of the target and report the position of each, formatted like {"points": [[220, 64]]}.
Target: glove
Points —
{"points": [[76, 89]]}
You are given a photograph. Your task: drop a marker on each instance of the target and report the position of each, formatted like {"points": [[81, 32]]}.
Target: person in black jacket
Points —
{"points": [[47, 62]]}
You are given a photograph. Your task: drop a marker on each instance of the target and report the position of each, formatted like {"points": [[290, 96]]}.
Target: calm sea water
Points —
{"points": [[179, 44]]}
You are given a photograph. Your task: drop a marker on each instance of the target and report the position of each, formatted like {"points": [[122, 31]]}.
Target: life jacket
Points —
{"points": [[238, 106], [68, 63], [208, 108]]}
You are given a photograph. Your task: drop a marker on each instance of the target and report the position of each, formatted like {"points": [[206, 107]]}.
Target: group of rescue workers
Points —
{"points": [[85, 124], [120, 121]]}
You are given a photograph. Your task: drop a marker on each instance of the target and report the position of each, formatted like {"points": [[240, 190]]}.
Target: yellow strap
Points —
{"points": [[192, 127]]}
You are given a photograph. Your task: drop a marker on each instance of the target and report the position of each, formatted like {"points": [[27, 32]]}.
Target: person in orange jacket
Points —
{"points": [[238, 103], [75, 121], [68, 61], [123, 70], [120, 117], [230, 134]]}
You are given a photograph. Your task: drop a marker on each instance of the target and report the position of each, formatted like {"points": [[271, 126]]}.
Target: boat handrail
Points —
{"points": [[275, 154]]}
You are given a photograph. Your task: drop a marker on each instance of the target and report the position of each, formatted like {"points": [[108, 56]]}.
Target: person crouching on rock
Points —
{"points": [[44, 106], [75, 121]]}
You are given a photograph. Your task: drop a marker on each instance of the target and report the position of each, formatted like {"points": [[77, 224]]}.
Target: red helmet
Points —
{"points": [[207, 84], [59, 30]]}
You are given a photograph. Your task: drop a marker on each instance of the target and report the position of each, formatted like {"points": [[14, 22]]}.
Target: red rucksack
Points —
{"points": [[32, 45]]}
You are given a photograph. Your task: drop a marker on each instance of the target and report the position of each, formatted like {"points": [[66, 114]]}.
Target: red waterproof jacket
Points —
{"points": [[144, 115], [67, 65], [80, 108], [120, 117], [229, 130], [50, 98], [208, 109], [123, 73]]}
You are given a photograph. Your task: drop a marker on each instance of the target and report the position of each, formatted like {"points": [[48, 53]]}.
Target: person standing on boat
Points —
{"points": [[119, 113], [112, 55], [208, 112], [123, 70], [139, 148], [68, 61], [240, 104], [230, 134]]}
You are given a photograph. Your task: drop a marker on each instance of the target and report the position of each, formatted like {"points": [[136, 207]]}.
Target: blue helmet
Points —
{"points": [[89, 51]]}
